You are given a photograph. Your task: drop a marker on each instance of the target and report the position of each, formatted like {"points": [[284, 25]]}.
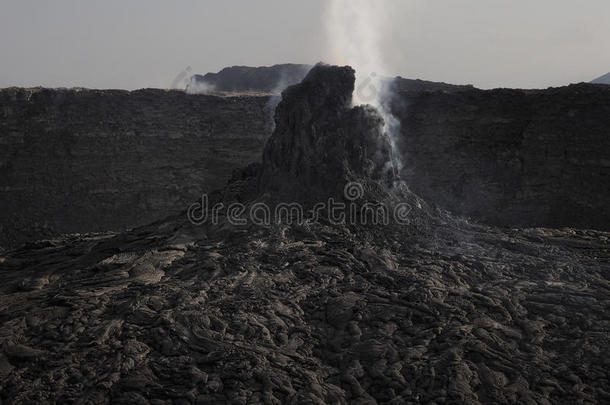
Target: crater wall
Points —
{"points": [[76, 161]]}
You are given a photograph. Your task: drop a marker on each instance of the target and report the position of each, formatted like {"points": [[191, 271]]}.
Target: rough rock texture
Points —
{"points": [[86, 161], [267, 79], [320, 141], [433, 311], [311, 315], [512, 157]]}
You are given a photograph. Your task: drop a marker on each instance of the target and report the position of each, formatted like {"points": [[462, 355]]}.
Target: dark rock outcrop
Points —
{"points": [[265, 79], [311, 313], [400, 84], [320, 141]]}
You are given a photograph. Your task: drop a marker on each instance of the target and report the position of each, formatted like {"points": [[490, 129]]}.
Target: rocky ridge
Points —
{"points": [[266, 79]]}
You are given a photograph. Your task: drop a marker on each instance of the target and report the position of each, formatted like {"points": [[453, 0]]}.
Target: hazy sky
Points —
{"points": [[147, 43]]}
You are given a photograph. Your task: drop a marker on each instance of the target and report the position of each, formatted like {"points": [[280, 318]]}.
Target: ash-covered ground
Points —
{"points": [[430, 310]]}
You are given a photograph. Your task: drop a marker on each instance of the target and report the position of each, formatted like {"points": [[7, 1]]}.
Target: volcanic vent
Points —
{"points": [[320, 141], [321, 144]]}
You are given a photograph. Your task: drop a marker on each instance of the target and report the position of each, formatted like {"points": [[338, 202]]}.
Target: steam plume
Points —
{"points": [[355, 30], [199, 87]]}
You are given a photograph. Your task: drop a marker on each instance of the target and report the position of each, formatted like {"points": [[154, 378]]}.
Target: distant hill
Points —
{"points": [[266, 79], [274, 79], [417, 85], [605, 79]]}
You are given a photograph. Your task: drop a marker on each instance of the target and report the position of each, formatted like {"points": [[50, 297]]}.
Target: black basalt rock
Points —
{"points": [[321, 142]]}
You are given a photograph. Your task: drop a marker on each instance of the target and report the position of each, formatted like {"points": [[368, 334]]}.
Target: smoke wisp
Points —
{"points": [[199, 87], [355, 35]]}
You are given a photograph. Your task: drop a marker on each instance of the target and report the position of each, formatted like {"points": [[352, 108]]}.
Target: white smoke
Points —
{"points": [[355, 30], [196, 86]]}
